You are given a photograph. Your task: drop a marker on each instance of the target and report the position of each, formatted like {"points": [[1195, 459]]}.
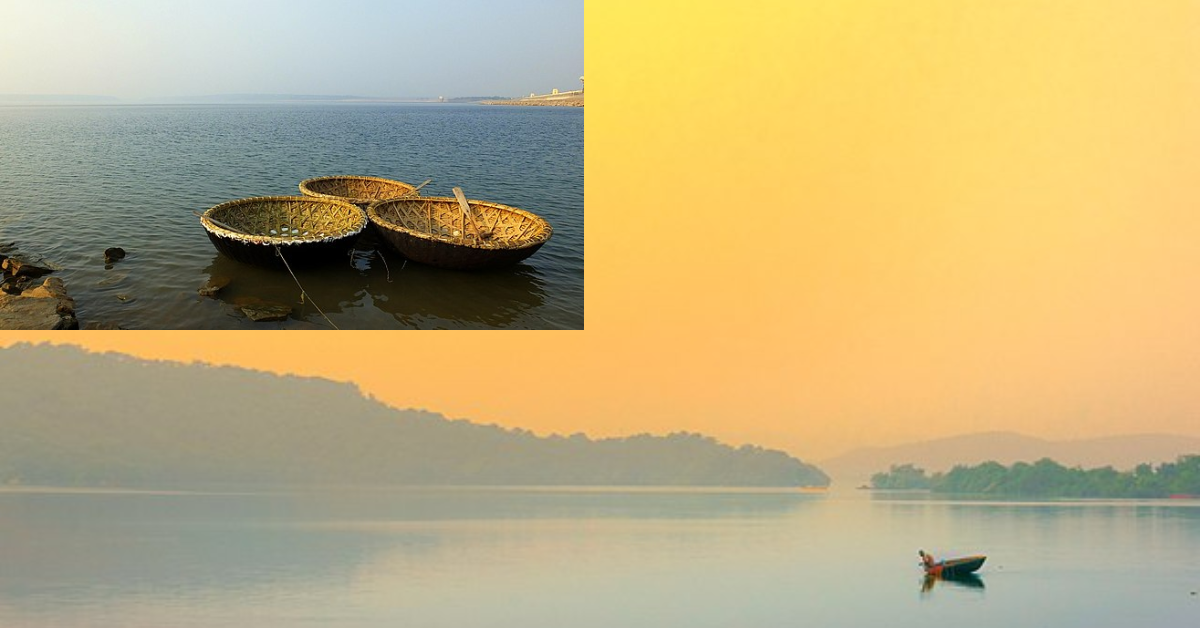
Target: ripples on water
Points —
{"points": [[77, 180]]}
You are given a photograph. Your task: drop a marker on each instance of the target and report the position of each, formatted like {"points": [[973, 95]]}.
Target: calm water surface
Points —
{"points": [[77, 180], [580, 558]]}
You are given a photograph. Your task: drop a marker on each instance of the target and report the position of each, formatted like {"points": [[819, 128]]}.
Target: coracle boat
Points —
{"points": [[457, 233], [361, 191], [305, 230], [956, 567]]}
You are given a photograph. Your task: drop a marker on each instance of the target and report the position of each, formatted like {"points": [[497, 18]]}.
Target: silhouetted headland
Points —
{"points": [[72, 418]]}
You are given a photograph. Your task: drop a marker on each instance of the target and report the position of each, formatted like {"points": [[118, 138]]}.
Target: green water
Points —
{"points": [[77, 180]]}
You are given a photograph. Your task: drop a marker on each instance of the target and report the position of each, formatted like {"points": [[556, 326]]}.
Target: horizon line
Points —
{"points": [[234, 96]]}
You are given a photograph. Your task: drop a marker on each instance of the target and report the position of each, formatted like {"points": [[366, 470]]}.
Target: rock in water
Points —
{"points": [[47, 306], [113, 254], [111, 279], [18, 312], [263, 312], [214, 285], [21, 267], [6, 250], [11, 285], [102, 325], [53, 288]]}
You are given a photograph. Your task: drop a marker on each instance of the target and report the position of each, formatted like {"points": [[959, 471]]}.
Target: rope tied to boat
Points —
{"points": [[303, 293], [385, 265]]}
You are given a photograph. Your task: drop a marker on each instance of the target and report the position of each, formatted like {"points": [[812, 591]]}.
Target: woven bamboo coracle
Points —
{"points": [[361, 191], [436, 231], [305, 230]]}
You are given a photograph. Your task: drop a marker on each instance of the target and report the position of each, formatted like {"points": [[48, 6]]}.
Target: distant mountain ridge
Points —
{"points": [[1120, 452], [212, 99], [281, 98], [48, 99], [68, 417]]}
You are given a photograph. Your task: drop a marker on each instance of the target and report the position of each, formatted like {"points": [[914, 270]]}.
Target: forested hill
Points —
{"points": [[1047, 478], [68, 417]]}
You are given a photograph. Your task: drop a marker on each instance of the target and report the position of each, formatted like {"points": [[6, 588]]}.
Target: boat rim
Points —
{"points": [[376, 216], [206, 220]]}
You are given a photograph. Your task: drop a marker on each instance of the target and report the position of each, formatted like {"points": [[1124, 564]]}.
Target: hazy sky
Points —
{"points": [[148, 48], [826, 224]]}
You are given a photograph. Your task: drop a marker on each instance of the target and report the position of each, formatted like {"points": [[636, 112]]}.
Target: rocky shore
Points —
{"points": [[575, 101], [29, 298], [32, 299]]}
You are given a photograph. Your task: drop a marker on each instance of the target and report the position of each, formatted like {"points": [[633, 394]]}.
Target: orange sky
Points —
{"points": [[838, 224]]}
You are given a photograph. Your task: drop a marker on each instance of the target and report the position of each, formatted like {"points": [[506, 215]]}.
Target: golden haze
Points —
{"points": [[821, 225]]}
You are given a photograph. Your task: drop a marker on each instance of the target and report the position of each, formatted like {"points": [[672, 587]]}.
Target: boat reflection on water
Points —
{"points": [[424, 296], [416, 295], [374, 289], [335, 287], [967, 581]]}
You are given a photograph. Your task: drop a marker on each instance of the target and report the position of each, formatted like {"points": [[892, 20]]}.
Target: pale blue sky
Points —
{"points": [[385, 48]]}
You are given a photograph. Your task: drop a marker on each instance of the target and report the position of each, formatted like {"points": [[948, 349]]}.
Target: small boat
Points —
{"points": [[360, 190], [304, 230], [956, 566], [458, 233]]}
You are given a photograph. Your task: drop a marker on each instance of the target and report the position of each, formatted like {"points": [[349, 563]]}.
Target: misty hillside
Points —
{"points": [[1120, 452], [68, 417]]}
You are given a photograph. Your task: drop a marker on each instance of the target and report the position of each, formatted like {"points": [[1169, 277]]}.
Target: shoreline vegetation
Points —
{"points": [[1047, 478]]}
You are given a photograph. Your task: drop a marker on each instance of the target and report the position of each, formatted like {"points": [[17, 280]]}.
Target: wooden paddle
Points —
{"points": [[466, 208], [416, 189], [219, 223]]}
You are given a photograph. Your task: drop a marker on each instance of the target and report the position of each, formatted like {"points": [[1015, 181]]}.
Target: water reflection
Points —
{"points": [[417, 295], [99, 545], [371, 279], [333, 287], [966, 581], [493, 558], [420, 294]]}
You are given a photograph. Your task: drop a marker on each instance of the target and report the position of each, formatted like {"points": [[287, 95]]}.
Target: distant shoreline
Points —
{"points": [[252, 488], [576, 101], [540, 101]]}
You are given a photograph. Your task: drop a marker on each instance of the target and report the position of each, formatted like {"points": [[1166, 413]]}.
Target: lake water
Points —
{"points": [[587, 558], [77, 180]]}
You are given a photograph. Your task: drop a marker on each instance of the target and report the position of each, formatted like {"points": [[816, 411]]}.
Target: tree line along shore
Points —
{"points": [[1047, 478]]}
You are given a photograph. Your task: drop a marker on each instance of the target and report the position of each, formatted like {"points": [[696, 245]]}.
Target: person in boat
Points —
{"points": [[926, 559]]}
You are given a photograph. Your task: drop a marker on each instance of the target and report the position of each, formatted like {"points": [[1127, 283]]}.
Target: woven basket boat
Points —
{"points": [[361, 191], [434, 230], [306, 230]]}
